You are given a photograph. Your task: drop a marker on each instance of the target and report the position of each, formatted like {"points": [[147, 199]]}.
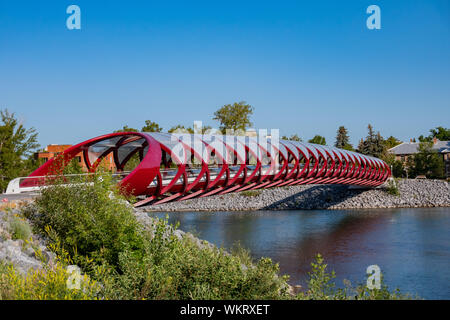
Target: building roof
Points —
{"points": [[413, 147]]}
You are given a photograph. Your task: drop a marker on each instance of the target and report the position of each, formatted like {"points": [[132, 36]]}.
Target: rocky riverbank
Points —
{"points": [[18, 245], [14, 228], [26, 250], [412, 194]]}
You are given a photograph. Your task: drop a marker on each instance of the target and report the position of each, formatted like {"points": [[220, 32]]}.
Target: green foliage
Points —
{"points": [[16, 145], [427, 162], [373, 145], [91, 220], [50, 283], [392, 188], [342, 139], [425, 139], [73, 167], [92, 226], [293, 137], [100, 233], [151, 126], [322, 286], [250, 193], [133, 162], [348, 147], [243, 254], [398, 169], [181, 129], [234, 116], [318, 140], [439, 133], [19, 228], [127, 129], [391, 142], [176, 268], [362, 292]]}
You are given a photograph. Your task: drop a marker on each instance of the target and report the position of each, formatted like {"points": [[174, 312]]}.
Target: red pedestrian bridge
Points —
{"points": [[173, 167]]}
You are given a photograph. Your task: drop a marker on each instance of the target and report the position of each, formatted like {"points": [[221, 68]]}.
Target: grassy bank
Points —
{"points": [[94, 227]]}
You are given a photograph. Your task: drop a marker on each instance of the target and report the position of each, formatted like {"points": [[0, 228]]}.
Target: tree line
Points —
{"points": [[18, 144]]}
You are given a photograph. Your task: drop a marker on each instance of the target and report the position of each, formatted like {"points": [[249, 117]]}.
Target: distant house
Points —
{"points": [[404, 150], [53, 150]]}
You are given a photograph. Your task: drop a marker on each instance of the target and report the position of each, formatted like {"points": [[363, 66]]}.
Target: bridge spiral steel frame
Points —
{"points": [[178, 167]]}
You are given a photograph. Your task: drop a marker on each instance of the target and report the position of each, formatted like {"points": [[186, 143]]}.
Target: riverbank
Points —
{"points": [[125, 254], [30, 270], [27, 250], [412, 194]]}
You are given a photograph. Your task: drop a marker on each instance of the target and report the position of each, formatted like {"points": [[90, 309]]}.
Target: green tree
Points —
{"points": [[318, 140], [203, 130], [180, 129], [425, 139], [342, 139], [127, 129], [391, 142], [151, 126], [234, 116], [428, 162], [293, 137], [73, 167], [16, 145], [373, 145], [398, 170], [439, 133]]}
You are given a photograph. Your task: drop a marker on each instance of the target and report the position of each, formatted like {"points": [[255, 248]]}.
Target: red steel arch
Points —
{"points": [[183, 166]]}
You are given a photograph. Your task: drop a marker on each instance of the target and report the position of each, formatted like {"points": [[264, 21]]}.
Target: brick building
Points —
{"points": [[406, 149], [53, 150]]}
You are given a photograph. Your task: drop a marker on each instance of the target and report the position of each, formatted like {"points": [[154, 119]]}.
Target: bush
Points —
{"points": [[320, 283], [321, 286], [19, 228], [392, 187], [398, 169], [49, 283], [101, 234], [427, 162], [91, 220], [176, 268]]}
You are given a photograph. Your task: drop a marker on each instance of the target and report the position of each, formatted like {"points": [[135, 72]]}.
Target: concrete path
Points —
{"points": [[18, 196]]}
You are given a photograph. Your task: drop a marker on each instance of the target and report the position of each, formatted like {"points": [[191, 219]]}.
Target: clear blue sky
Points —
{"points": [[306, 66]]}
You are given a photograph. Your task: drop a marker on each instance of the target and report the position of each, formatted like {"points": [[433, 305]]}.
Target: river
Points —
{"points": [[411, 246]]}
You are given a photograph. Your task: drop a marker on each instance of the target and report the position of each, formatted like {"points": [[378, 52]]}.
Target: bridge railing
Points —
{"points": [[35, 183]]}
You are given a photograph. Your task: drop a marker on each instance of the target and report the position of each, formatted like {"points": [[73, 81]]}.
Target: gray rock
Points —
{"points": [[21, 261], [413, 193], [18, 252]]}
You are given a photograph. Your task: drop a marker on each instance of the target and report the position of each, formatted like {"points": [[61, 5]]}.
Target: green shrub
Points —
{"points": [[49, 283], [392, 187], [101, 234], [19, 228], [321, 286], [179, 269], [320, 283], [91, 220], [251, 193]]}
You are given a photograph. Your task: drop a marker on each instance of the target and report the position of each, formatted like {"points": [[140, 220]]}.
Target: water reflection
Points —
{"points": [[412, 246]]}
